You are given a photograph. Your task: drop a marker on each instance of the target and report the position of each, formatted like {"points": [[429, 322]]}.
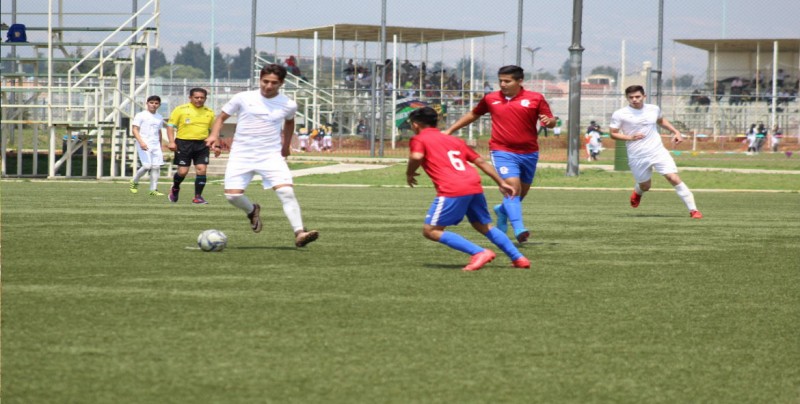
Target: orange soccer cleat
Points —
{"points": [[479, 260]]}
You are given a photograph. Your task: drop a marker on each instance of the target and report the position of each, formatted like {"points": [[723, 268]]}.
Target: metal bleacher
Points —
{"points": [[72, 86]]}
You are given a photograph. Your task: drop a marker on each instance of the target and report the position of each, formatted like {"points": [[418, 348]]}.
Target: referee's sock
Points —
{"points": [[457, 242], [199, 184], [176, 181]]}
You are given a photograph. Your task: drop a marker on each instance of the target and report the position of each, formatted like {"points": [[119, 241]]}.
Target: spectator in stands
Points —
{"points": [[362, 128], [777, 135], [192, 122], [751, 139], [349, 71], [146, 128], [780, 77], [736, 91], [720, 90], [303, 138], [761, 136]]}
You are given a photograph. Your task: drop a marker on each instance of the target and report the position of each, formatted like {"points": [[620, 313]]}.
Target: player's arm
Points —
{"points": [[212, 140], [505, 188], [465, 120], [172, 126], [288, 132], [138, 136], [414, 161], [616, 134], [676, 135]]}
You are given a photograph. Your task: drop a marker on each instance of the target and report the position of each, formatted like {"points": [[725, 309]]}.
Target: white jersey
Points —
{"points": [[594, 140], [149, 128], [632, 121], [258, 129]]}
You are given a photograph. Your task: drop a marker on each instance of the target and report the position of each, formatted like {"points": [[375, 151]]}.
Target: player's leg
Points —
{"points": [[642, 171], [183, 160], [478, 215], [236, 180], [526, 166], [275, 173], [505, 165], [666, 167], [144, 160], [156, 161]]}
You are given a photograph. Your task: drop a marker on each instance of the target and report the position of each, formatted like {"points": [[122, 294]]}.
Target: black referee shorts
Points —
{"points": [[191, 152]]}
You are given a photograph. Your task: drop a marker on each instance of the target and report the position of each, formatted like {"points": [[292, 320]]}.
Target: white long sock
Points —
{"points": [[154, 173], [240, 201], [686, 195], [139, 173], [290, 207], [638, 189]]}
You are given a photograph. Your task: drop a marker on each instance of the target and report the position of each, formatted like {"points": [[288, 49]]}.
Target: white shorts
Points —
{"points": [[153, 156], [273, 171], [557, 130], [327, 141], [661, 163]]}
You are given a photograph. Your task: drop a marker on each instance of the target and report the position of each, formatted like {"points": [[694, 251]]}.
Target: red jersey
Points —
{"points": [[445, 162], [514, 121]]}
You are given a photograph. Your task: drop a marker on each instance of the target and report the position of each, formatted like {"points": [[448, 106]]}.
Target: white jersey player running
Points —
{"points": [[146, 129], [261, 147], [637, 124]]}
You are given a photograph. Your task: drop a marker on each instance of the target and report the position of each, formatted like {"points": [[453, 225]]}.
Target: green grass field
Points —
{"points": [[105, 297]]}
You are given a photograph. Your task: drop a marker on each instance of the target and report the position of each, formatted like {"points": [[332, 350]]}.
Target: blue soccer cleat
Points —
{"points": [[502, 218]]}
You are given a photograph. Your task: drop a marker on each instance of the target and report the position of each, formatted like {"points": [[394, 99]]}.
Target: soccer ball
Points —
{"points": [[212, 240]]}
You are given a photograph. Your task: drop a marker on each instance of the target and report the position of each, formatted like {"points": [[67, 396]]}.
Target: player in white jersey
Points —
{"points": [[260, 147], [637, 124], [147, 131]]}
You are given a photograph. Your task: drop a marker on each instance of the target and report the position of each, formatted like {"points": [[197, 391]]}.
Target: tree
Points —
{"points": [[240, 65], [157, 60], [683, 81], [179, 72], [607, 70], [220, 64], [193, 54], [563, 72]]}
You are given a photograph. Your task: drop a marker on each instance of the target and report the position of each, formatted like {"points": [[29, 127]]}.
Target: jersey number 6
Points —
{"points": [[457, 163]]}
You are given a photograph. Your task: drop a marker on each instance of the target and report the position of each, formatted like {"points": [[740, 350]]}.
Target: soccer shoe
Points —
{"points": [[521, 262], [301, 238], [156, 193], [502, 219], [255, 218], [173, 194], [479, 260], [198, 200], [695, 214], [134, 187], [522, 235], [635, 199]]}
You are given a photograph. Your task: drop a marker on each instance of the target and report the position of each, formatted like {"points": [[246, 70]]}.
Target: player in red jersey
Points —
{"points": [[458, 190], [514, 143]]}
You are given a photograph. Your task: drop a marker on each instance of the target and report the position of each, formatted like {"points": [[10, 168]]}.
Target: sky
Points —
{"points": [[546, 25]]}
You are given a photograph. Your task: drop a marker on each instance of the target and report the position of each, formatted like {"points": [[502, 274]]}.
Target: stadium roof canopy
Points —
{"points": [[743, 45], [372, 33]]}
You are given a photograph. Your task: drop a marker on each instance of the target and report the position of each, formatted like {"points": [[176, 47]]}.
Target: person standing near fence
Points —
{"points": [[514, 142], [458, 191], [146, 128], [637, 125], [192, 122], [262, 141]]}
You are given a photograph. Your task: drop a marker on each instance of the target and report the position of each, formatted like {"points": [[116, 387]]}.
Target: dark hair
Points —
{"points": [[275, 69], [634, 88], [154, 98], [515, 71], [425, 116], [198, 90]]}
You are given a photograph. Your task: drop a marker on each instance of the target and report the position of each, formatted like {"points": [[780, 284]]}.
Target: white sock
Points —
{"points": [[240, 201], [143, 169], [154, 173], [686, 195], [290, 207], [637, 189]]}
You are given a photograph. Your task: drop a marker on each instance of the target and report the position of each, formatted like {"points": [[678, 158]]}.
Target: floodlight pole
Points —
{"points": [[575, 52], [379, 80], [253, 38], [659, 69], [519, 32]]}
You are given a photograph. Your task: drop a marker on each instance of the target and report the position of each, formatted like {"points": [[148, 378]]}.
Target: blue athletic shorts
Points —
{"points": [[513, 165], [449, 211]]}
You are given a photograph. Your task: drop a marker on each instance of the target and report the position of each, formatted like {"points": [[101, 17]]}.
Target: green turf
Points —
{"points": [[104, 299]]}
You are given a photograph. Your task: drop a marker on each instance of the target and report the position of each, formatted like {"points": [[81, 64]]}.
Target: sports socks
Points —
{"points": [[502, 241], [140, 172], [637, 189], [155, 171], [240, 201], [513, 208], [686, 195], [199, 184], [457, 242], [176, 181], [290, 207]]}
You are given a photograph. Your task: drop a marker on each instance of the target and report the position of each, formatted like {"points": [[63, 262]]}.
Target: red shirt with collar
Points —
{"points": [[445, 162], [514, 121]]}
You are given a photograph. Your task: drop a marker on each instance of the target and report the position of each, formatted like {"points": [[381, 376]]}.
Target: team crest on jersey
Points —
{"points": [[496, 102], [504, 170], [525, 103]]}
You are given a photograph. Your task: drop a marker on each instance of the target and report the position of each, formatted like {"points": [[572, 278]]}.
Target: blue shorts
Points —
{"points": [[449, 211], [513, 165]]}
